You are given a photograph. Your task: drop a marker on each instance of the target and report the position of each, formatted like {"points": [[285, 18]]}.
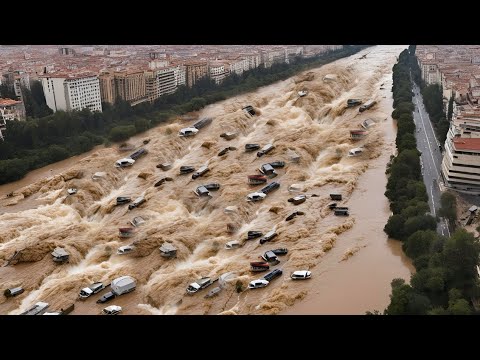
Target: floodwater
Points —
{"points": [[316, 127]]}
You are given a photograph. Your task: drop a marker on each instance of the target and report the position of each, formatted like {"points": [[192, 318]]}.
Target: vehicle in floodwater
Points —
{"points": [[353, 102], [226, 150], [90, 290], [302, 93], [268, 237], [138, 201], [60, 255], [112, 310], [249, 110], [123, 285], [256, 179], [254, 234], [267, 169], [186, 169], [212, 186], [301, 275], [280, 251], [251, 147], [38, 309], [270, 187], [341, 211], [72, 191], [123, 200], [259, 266], [293, 215], [229, 135], [367, 105], [168, 250], [213, 292], [270, 257], [358, 134], [127, 249], [297, 200], [256, 284], [124, 162], [277, 164], [234, 244], [164, 166], [162, 181], [200, 172], [273, 275], [355, 152], [106, 297], [137, 221], [13, 291], [256, 196], [137, 154], [202, 123], [265, 150], [199, 285], [201, 191], [188, 132], [336, 196], [125, 232]]}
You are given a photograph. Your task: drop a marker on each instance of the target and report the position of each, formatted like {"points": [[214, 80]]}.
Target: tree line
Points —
{"points": [[46, 138], [446, 276]]}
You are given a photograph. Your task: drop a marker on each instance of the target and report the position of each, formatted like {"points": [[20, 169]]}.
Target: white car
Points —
{"points": [[188, 132], [124, 162], [260, 283], [232, 245], [125, 249], [112, 310], [256, 196], [301, 275], [72, 191]]}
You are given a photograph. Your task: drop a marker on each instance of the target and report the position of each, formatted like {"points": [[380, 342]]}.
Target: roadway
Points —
{"points": [[431, 158]]}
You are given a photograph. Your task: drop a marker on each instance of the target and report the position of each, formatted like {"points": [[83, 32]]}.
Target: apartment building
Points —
{"points": [[160, 82], [195, 70], [461, 159], [10, 110], [70, 92], [131, 86], [180, 75], [108, 92], [218, 71]]}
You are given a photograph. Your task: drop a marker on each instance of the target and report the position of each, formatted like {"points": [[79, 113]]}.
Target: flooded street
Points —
{"points": [[351, 260]]}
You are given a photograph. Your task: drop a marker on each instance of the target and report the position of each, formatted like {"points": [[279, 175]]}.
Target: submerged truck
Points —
{"points": [[123, 285]]}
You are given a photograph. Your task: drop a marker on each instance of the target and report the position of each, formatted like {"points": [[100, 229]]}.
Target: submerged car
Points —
{"points": [[92, 289], [106, 297], [260, 283], [112, 310], [301, 275], [256, 196], [124, 162], [273, 275]]}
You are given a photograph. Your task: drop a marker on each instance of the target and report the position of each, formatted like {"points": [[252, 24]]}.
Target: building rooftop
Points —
{"points": [[8, 102], [467, 144]]}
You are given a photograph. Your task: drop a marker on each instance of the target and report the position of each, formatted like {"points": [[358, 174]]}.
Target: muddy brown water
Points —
{"points": [[42, 216]]}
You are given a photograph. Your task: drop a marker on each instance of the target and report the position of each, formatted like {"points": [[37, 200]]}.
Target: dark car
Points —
{"points": [[123, 200], [273, 275], [254, 234], [107, 297], [281, 251]]}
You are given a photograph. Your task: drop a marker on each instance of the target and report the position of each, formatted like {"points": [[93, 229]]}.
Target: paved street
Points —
{"points": [[431, 158]]}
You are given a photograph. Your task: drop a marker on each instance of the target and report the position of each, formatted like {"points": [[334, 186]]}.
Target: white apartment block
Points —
{"points": [[180, 75], [461, 159], [253, 60], [218, 72], [238, 66], [271, 57], [72, 92]]}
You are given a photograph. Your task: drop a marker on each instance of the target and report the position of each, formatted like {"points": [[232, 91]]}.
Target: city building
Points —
{"points": [[108, 92], [130, 86], [195, 71], [180, 75], [461, 159], [69, 92], [10, 110], [160, 82], [66, 51], [217, 71]]}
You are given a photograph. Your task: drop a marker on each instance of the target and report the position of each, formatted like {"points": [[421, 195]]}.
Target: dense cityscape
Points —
{"points": [[239, 180]]}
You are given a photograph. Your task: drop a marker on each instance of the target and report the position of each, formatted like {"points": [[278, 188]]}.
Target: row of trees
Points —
{"points": [[445, 277], [45, 138]]}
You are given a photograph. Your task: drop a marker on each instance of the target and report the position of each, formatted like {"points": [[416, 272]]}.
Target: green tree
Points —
{"points": [[394, 227], [120, 133], [450, 108], [420, 222], [448, 207], [419, 243]]}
